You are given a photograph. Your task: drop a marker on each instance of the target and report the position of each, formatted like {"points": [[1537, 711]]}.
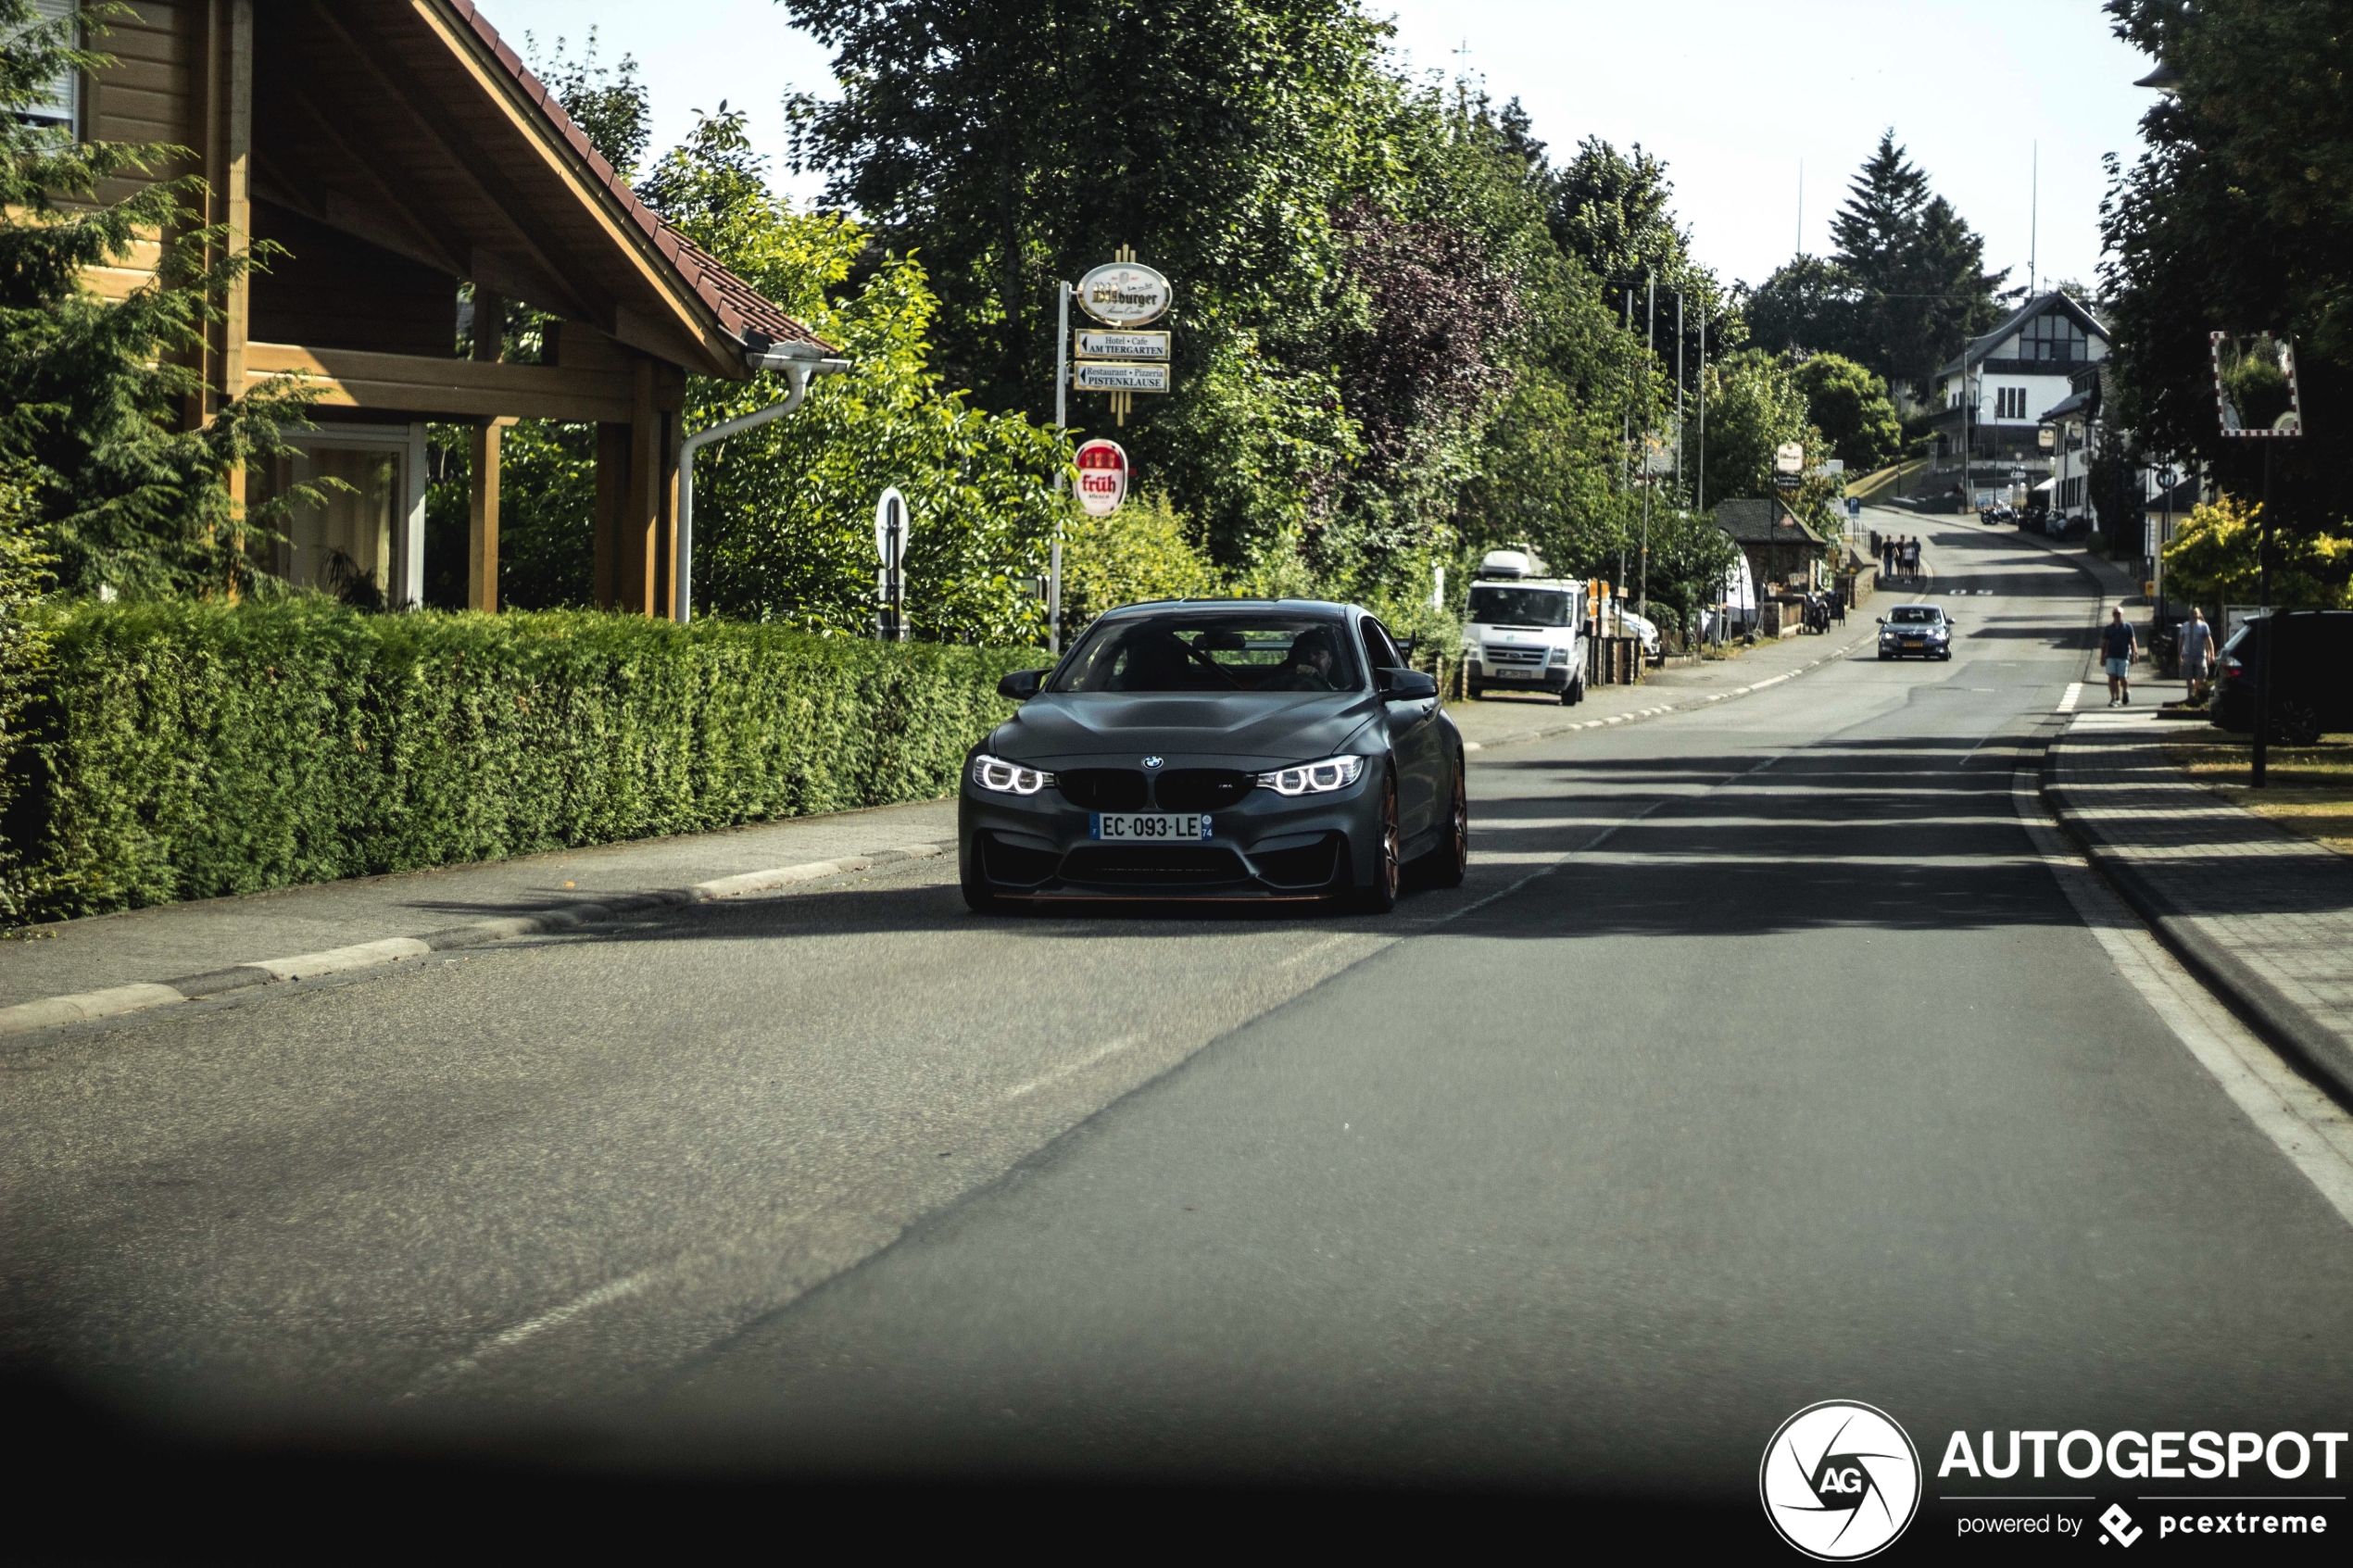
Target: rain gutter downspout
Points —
{"points": [[797, 368]]}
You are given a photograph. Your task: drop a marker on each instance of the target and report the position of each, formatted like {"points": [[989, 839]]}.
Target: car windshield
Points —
{"points": [[1494, 606], [1917, 615], [1219, 651]]}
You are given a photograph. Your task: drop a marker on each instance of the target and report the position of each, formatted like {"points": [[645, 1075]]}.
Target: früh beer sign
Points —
{"points": [[1102, 476]]}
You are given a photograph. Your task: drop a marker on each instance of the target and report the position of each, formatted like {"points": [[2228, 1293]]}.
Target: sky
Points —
{"points": [[1994, 99]]}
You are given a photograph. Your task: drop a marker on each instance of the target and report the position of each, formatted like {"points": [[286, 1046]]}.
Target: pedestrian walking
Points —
{"points": [[2118, 648], [2197, 655], [1887, 555], [1911, 557]]}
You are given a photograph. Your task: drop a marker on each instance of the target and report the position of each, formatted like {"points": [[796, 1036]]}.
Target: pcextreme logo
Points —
{"points": [[1841, 1480]]}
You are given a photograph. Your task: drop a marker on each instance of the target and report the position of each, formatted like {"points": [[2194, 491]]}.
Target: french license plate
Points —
{"points": [[1148, 827], [1519, 671]]}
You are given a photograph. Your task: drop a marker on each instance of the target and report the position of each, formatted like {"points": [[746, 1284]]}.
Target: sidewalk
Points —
{"points": [[143, 958], [2261, 916]]}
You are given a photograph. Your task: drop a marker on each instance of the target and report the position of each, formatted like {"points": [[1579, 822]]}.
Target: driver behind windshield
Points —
{"points": [[1215, 652], [1308, 666]]}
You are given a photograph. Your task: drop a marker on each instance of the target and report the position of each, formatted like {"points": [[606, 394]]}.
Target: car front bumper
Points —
{"points": [[1264, 846], [1479, 672]]}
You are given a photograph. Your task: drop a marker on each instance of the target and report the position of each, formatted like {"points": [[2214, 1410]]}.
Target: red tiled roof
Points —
{"points": [[741, 308]]}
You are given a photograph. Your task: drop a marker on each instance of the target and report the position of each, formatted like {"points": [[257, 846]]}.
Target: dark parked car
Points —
{"points": [[1924, 630], [2311, 688], [1217, 749]]}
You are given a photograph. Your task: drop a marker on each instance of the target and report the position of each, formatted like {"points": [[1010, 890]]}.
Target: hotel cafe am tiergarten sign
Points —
{"points": [[1119, 357]]}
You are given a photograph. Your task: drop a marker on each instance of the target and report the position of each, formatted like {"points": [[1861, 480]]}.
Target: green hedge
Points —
{"points": [[186, 751]]}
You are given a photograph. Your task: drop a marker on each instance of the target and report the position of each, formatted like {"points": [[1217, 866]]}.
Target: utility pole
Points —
{"points": [[1643, 594], [1700, 472], [1061, 395], [1678, 397], [2033, 214], [2268, 636], [1625, 436]]}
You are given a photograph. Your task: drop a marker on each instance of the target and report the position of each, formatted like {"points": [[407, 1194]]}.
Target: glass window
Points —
{"points": [[2054, 336], [1236, 650], [59, 104], [1493, 605], [1379, 651], [1915, 615]]}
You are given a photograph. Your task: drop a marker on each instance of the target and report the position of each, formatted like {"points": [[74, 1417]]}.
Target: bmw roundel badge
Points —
{"points": [[1152, 761]]}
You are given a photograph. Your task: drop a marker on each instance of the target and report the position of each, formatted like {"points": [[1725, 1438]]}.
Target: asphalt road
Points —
{"points": [[1761, 1061]]}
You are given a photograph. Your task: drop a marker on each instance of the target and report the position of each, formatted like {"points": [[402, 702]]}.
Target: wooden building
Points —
{"points": [[1783, 553], [398, 149]]}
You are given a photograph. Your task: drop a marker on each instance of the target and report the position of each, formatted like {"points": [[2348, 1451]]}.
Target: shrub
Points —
{"points": [[192, 750]]}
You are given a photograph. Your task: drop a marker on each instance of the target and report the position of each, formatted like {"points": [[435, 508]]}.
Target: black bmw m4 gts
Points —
{"points": [[1228, 748]]}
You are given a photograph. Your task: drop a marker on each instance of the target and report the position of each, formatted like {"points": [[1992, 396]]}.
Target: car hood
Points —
{"points": [[1075, 729]]}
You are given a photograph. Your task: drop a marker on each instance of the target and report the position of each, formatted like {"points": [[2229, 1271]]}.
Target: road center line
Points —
{"points": [[1056, 1075], [604, 1295]]}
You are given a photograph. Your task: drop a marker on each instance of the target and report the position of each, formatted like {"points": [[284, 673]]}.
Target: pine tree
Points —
{"points": [[1876, 227], [1915, 269], [91, 390]]}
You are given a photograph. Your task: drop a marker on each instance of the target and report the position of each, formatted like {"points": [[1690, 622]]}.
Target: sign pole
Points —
{"points": [[1061, 395]]}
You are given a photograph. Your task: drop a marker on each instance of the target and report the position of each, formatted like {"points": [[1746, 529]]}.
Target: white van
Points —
{"points": [[1524, 631]]}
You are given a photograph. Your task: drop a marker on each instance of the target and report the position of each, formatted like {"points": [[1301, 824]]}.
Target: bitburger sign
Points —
{"points": [[1123, 293]]}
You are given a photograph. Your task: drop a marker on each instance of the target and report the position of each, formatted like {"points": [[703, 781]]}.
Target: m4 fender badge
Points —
{"points": [[1152, 761]]}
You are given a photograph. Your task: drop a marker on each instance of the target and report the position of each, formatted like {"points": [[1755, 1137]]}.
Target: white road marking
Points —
{"points": [[2312, 1130], [1314, 948], [604, 1295], [2074, 695], [1103, 1053]]}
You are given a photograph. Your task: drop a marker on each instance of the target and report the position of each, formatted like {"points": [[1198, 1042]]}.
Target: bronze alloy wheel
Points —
{"points": [[1451, 861], [1388, 869]]}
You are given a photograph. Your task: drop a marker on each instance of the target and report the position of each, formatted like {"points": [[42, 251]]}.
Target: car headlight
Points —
{"points": [[1560, 655], [1314, 778], [1007, 778]]}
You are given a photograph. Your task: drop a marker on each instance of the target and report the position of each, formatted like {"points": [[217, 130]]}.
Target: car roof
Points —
{"points": [[1565, 584], [1314, 607]]}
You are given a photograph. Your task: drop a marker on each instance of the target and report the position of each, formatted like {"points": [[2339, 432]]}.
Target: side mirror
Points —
{"points": [[1882, 621], [1022, 684], [1406, 686]]}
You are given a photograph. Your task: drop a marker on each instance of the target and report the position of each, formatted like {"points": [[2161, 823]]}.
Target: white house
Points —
{"points": [[2007, 381]]}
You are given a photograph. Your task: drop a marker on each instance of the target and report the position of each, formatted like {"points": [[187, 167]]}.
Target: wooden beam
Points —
{"points": [[482, 512], [235, 196], [351, 378], [612, 505], [640, 509], [481, 523], [432, 244], [693, 318], [468, 162], [669, 443]]}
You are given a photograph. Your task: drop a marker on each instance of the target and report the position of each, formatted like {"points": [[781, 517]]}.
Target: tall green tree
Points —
{"points": [[1809, 304], [1851, 409], [2237, 216], [1904, 287], [91, 390]]}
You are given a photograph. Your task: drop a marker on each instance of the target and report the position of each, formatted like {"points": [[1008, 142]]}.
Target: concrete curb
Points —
{"points": [[1642, 713], [2278, 1018], [49, 1012]]}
